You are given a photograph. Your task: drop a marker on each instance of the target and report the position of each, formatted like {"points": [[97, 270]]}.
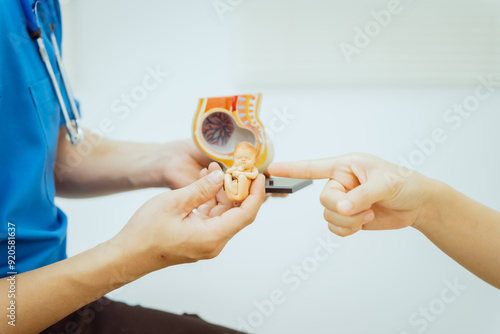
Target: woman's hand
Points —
{"points": [[366, 192], [166, 231], [363, 192]]}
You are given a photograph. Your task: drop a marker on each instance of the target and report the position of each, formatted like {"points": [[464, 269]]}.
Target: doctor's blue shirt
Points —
{"points": [[30, 118]]}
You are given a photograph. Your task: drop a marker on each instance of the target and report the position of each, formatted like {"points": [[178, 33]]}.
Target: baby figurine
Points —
{"points": [[239, 177]]}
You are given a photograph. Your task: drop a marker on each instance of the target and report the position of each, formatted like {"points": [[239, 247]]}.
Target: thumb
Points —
{"points": [[199, 192], [363, 197]]}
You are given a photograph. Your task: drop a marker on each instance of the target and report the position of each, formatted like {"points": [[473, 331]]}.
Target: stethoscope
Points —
{"points": [[36, 13]]}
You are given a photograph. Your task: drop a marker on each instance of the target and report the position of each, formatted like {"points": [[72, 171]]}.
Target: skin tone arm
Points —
{"points": [[113, 166], [163, 232], [368, 193]]}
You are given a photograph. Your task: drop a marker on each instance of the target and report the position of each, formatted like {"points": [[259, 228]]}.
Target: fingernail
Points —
{"points": [[345, 205], [369, 217], [216, 177], [356, 229]]}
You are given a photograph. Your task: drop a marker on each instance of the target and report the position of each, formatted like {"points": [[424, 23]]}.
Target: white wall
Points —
{"points": [[374, 281]]}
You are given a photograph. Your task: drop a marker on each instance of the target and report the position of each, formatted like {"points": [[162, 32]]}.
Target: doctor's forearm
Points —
{"points": [[48, 294], [466, 230], [101, 167]]}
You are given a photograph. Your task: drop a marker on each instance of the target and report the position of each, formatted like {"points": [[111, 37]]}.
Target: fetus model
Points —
{"points": [[238, 178]]}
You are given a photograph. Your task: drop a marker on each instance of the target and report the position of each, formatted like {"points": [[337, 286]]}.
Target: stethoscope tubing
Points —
{"points": [[75, 133]]}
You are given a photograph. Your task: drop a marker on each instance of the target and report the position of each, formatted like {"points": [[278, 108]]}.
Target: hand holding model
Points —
{"points": [[367, 193], [166, 231], [239, 177]]}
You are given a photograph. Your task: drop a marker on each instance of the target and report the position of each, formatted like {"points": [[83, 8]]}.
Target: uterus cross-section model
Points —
{"points": [[221, 123]]}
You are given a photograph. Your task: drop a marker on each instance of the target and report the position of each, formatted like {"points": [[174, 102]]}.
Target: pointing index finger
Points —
{"points": [[306, 169]]}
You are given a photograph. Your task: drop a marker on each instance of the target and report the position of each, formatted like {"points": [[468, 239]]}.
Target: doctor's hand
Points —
{"points": [[167, 230], [363, 192], [179, 163]]}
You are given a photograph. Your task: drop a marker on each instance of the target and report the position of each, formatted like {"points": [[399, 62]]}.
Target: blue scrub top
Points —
{"points": [[30, 118]]}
